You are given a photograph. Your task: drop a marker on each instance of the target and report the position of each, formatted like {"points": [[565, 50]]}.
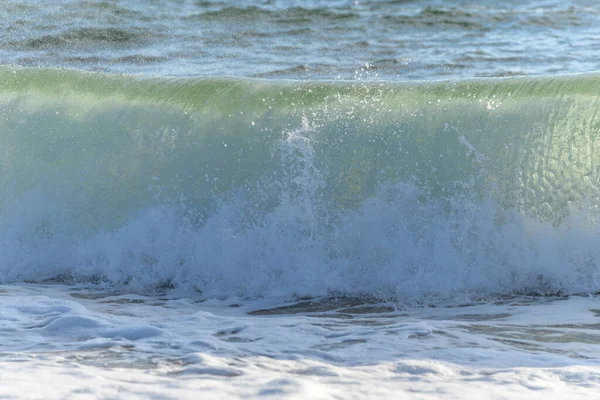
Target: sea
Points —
{"points": [[299, 199]]}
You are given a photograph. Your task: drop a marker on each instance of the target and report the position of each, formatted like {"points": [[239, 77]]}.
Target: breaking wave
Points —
{"points": [[252, 188]]}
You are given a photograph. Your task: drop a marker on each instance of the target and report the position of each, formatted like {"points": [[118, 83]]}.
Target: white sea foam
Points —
{"points": [[62, 342], [401, 243]]}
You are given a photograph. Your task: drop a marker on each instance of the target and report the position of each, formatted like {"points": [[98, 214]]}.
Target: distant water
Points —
{"points": [[299, 199], [313, 39]]}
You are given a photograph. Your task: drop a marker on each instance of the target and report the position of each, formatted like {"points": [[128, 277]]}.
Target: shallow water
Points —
{"points": [[83, 343]]}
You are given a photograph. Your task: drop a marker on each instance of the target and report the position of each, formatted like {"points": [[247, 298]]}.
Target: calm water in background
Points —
{"points": [[396, 39]]}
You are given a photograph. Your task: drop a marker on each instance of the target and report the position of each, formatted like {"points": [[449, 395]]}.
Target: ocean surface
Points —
{"points": [[299, 199]]}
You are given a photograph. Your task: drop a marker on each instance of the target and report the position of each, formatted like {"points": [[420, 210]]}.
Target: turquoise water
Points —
{"points": [[253, 188]]}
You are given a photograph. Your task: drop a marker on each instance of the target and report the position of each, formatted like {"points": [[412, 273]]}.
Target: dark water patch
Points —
{"points": [[595, 327], [124, 300], [138, 59], [229, 331], [489, 58], [320, 306], [435, 12], [537, 336], [85, 59], [91, 296], [368, 309], [472, 317], [246, 14], [520, 344], [373, 321], [239, 339], [335, 316], [344, 344], [208, 3], [556, 19], [299, 70], [434, 20], [294, 15], [85, 36]]}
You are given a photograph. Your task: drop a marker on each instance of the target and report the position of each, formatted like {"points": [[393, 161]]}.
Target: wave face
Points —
{"points": [[235, 187]]}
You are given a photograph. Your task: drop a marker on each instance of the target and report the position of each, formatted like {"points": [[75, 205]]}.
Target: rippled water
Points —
{"points": [[322, 39]]}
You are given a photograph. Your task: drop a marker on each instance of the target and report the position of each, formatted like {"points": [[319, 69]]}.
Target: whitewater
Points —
{"points": [[234, 187]]}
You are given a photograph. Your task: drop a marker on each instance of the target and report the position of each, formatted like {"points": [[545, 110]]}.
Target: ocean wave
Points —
{"points": [[254, 188]]}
